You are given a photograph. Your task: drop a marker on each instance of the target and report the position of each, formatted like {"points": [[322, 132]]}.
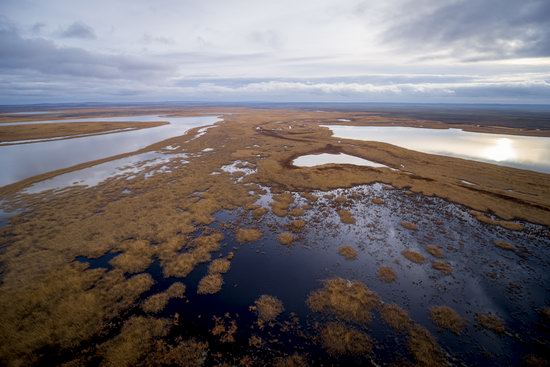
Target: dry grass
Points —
{"points": [[297, 225], [505, 245], [248, 235], [294, 360], [409, 225], [349, 300], [491, 322], [346, 216], [135, 259], [268, 307], [297, 212], [286, 238], [435, 251], [310, 197], [443, 267], [218, 266], [348, 252], [210, 284], [224, 329], [447, 318], [386, 274], [339, 339], [424, 348], [396, 317], [377, 201], [497, 222], [413, 256], [157, 302], [259, 213]]}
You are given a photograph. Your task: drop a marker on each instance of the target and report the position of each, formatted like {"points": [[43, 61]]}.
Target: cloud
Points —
{"points": [[150, 39], [78, 30], [475, 30]]}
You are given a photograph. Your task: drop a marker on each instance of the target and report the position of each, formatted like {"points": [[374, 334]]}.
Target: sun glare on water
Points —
{"points": [[502, 150]]}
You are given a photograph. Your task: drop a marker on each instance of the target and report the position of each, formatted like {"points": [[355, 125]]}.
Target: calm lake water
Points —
{"points": [[525, 152], [312, 160], [21, 161]]}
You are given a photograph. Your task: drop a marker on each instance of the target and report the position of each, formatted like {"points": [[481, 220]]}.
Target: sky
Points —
{"points": [[420, 51]]}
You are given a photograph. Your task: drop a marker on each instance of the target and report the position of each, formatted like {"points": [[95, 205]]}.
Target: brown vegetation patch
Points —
{"points": [[346, 216], [447, 318], [413, 256], [286, 238], [348, 252], [298, 224], [497, 222], [310, 197], [268, 307], [504, 245], [339, 339], [248, 235], [386, 274], [491, 322], [350, 300], [396, 317], [135, 259], [435, 251], [157, 302], [443, 267], [259, 212], [297, 212], [409, 225], [210, 284], [294, 360], [224, 330], [424, 347], [377, 201], [218, 266]]}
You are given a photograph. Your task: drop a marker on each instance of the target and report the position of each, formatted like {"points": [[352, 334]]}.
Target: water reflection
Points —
{"points": [[312, 160], [526, 152]]}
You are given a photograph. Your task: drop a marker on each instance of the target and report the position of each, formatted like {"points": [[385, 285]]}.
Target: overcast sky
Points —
{"points": [[480, 51]]}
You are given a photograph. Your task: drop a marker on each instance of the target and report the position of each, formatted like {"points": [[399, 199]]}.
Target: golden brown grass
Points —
{"points": [[413, 256], [286, 238], [348, 252], [497, 222], [377, 201], [339, 339], [447, 318], [491, 322], [219, 266], [435, 251], [297, 224], [224, 329], [504, 245], [346, 216], [268, 307], [294, 360], [259, 212], [442, 267], [157, 302], [248, 235], [386, 274], [395, 316], [409, 225], [349, 300], [297, 212], [135, 259], [425, 348], [210, 284]]}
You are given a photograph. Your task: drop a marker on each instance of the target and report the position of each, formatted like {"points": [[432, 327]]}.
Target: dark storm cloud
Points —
{"points": [[477, 30], [45, 56], [78, 30]]}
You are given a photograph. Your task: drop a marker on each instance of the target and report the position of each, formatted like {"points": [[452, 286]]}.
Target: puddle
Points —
{"points": [[312, 160], [525, 152], [18, 162], [484, 278]]}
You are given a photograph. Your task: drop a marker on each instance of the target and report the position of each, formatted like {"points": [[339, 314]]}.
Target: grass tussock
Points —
{"points": [[258, 213], [349, 300], [286, 238], [497, 222], [435, 251], [268, 307], [442, 267], [505, 245], [339, 339], [157, 302], [219, 266], [210, 284], [447, 318], [413, 256], [135, 259], [395, 316], [491, 322], [281, 203], [294, 360], [386, 274], [310, 197], [297, 224], [348, 252], [224, 329], [297, 212], [409, 225], [346, 216], [377, 201], [245, 235], [424, 348]]}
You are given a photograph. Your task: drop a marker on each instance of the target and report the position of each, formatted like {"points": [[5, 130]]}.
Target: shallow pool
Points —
{"points": [[525, 152], [312, 160]]}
